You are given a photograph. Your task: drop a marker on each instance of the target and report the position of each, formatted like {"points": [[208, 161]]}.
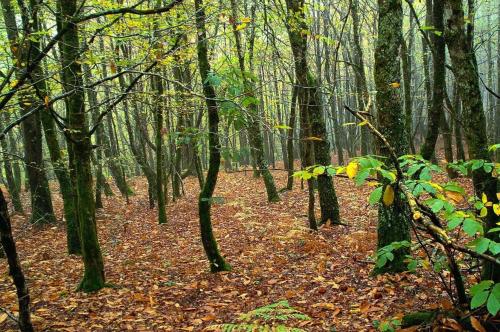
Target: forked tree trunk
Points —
{"points": [[81, 149]]}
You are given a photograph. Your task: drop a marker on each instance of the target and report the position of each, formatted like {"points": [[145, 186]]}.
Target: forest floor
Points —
{"points": [[160, 275]]}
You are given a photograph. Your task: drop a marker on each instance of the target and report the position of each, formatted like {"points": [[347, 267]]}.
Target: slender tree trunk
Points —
{"points": [[15, 269], [290, 138], [434, 117], [217, 262], [253, 127], [9, 175], [310, 104]]}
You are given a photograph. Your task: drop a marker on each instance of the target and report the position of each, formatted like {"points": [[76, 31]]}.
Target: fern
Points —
{"points": [[279, 311], [252, 328]]}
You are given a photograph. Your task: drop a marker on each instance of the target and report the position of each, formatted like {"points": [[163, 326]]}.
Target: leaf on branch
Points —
{"points": [[388, 198]]}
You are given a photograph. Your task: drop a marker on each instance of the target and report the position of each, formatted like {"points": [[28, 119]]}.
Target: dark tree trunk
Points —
{"points": [[434, 116], [393, 224], [41, 202], [15, 270], [310, 104], [464, 67], [217, 262], [81, 149]]}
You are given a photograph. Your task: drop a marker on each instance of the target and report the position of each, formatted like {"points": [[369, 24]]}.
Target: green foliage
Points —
{"points": [[387, 326], [449, 200], [486, 292], [280, 311], [386, 254]]}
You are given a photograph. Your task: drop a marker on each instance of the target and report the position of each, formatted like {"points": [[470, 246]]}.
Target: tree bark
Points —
{"points": [[217, 262], [393, 224]]}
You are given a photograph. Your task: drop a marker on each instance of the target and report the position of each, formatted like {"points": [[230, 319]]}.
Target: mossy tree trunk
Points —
{"points": [[359, 74], [72, 78], [253, 125], [59, 164], [310, 104], [217, 262], [393, 224], [22, 52], [464, 67]]}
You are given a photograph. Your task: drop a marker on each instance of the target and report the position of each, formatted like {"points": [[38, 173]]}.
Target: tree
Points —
{"points": [[81, 147], [393, 224], [310, 107], [41, 201], [253, 126], [464, 64], [217, 262]]}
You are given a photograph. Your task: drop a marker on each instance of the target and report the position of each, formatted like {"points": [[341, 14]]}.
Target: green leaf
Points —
{"points": [[493, 304], [482, 286], [471, 227], [494, 247], [331, 171], [481, 244], [479, 299], [375, 196]]}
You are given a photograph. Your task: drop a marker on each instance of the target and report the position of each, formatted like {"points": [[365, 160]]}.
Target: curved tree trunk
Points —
{"points": [[217, 262]]}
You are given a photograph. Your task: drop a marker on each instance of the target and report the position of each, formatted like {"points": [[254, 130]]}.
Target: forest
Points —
{"points": [[250, 165]]}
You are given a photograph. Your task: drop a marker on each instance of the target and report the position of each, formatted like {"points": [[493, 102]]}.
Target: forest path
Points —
{"points": [[160, 274]]}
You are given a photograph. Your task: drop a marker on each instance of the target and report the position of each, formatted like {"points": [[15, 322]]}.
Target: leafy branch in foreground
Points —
{"points": [[441, 212]]}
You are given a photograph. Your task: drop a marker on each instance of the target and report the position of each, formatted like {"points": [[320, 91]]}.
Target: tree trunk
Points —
{"points": [[310, 104], [464, 67], [93, 277], [393, 224], [41, 202], [253, 127], [434, 117], [15, 270], [217, 262]]}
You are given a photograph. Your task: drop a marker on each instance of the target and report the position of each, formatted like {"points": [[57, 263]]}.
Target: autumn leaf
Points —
{"points": [[476, 324], [352, 169], [388, 197]]}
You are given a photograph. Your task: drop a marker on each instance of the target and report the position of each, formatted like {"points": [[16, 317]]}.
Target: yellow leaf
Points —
{"points": [[313, 138], [484, 198], [417, 215], [496, 209], [395, 85], [498, 196], [246, 20], [483, 212], [46, 101], [241, 26], [372, 183], [454, 196], [363, 123], [388, 198], [340, 170], [13, 84], [352, 169]]}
